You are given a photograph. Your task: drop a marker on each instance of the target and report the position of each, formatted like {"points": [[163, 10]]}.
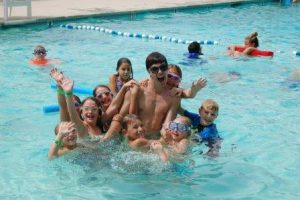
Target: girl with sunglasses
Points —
{"points": [[88, 121]]}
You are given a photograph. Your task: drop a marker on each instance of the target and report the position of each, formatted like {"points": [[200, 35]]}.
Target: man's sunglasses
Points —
{"points": [[155, 68]]}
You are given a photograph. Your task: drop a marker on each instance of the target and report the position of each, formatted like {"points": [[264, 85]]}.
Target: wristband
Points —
{"points": [[59, 143], [60, 91], [68, 94]]}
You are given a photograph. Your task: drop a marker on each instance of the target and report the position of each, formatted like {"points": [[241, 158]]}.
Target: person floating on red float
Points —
{"points": [[249, 48]]}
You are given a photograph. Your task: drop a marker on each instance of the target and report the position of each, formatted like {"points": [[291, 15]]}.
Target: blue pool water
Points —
{"points": [[258, 119]]}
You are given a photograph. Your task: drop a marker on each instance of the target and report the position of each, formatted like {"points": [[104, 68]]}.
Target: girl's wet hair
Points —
{"points": [[177, 68], [120, 62], [100, 86], [253, 39], [155, 58], [99, 105]]}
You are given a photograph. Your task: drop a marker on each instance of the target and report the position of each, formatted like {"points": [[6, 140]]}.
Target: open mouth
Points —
{"points": [[90, 117], [161, 79]]}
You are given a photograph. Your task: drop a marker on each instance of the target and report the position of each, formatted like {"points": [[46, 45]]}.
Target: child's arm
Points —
{"points": [[113, 83], [133, 100], [140, 144], [158, 149], [116, 124], [196, 86], [172, 111], [182, 146], [214, 148], [67, 85], [63, 110], [118, 99], [54, 150], [248, 50]]}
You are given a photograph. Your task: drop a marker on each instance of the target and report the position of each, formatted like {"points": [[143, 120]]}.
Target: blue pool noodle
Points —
{"points": [[78, 90], [50, 108]]}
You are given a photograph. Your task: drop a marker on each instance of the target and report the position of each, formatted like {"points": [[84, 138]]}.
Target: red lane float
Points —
{"points": [[255, 52]]}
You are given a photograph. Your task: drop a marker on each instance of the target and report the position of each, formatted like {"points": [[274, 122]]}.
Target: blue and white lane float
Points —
{"points": [[297, 52], [136, 35], [77, 89]]}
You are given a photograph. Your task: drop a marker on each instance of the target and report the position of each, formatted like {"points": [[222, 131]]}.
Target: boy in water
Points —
{"points": [[203, 122], [40, 59], [133, 130]]}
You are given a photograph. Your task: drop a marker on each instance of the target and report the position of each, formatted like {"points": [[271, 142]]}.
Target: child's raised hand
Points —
{"points": [[199, 84], [67, 85], [64, 129], [156, 146], [57, 75], [131, 84]]}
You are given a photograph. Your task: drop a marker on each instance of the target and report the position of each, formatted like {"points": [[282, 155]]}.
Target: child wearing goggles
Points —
{"points": [[40, 59], [176, 135]]}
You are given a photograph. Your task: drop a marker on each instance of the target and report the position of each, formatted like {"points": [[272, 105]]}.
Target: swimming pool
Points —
{"points": [[258, 116]]}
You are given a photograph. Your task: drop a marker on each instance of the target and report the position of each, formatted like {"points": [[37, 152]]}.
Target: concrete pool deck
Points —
{"points": [[43, 10]]}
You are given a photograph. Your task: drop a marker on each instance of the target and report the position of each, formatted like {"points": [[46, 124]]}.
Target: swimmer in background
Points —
{"points": [[134, 132], [295, 76], [123, 75], [204, 123], [250, 44], [40, 59], [65, 140], [225, 77], [194, 49]]}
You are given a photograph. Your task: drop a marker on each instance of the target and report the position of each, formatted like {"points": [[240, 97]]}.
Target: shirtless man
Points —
{"points": [[153, 104]]}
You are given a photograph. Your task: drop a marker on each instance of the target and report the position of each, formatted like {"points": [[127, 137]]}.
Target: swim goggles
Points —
{"points": [[40, 51], [100, 95], [174, 77], [181, 128], [155, 68]]}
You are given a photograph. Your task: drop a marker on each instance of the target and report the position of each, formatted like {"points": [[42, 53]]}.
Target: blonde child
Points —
{"points": [[204, 123], [123, 75], [176, 135], [65, 141]]}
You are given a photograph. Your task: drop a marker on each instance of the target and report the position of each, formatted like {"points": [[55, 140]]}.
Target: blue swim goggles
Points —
{"points": [[181, 128]]}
